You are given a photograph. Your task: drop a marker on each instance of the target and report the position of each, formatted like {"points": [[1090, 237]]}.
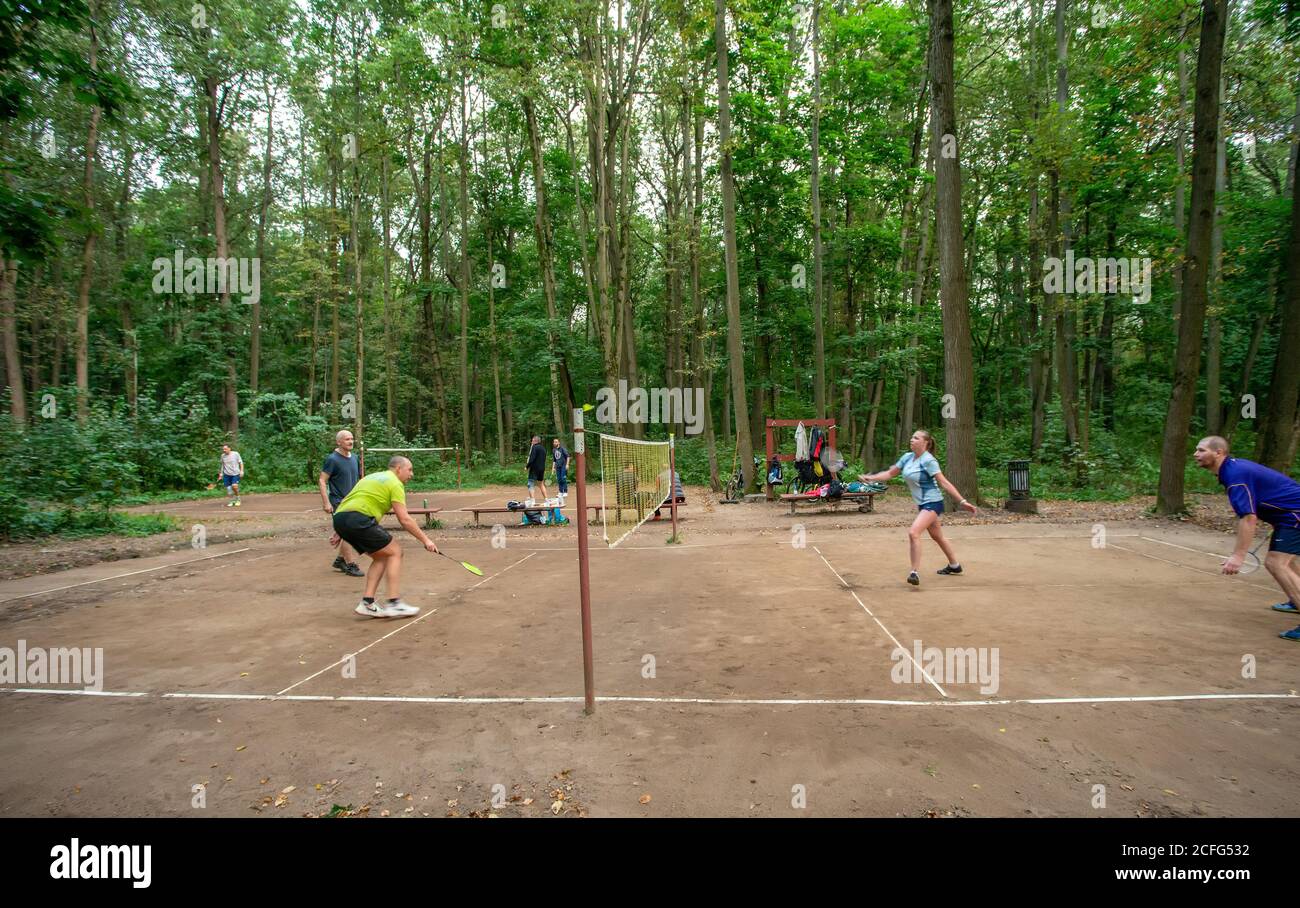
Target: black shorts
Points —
{"points": [[1285, 539], [361, 531]]}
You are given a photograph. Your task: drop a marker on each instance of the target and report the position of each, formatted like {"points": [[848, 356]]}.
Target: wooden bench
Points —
{"points": [[596, 510], [866, 501]]}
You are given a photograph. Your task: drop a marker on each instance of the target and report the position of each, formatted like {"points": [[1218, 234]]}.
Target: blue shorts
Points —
{"points": [[229, 480], [936, 506], [1285, 539]]}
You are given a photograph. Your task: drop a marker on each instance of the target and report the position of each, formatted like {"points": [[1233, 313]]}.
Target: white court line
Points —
{"points": [[1175, 545], [671, 701], [127, 574], [398, 630], [943, 693], [79, 693]]}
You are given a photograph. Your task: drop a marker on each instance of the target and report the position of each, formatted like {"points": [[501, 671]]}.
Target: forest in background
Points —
{"points": [[467, 218]]}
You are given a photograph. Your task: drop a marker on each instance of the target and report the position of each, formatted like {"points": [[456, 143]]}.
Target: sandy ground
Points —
{"points": [[767, 665]]}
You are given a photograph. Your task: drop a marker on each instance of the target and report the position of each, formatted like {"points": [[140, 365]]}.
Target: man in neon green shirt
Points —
{"points": [[356, 521]]}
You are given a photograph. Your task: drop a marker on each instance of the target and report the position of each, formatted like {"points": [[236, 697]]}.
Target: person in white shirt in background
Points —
{"points": [[232, 470]]}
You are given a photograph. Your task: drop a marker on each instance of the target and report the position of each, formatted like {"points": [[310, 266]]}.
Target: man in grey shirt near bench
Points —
{"points": [[337, 477]]}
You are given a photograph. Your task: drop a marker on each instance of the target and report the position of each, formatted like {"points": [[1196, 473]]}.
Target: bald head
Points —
{"points": [[1211, 452], [401, 468]]}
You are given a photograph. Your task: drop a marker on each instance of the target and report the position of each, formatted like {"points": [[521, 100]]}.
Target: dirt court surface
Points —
{"points": [[765, 663]]}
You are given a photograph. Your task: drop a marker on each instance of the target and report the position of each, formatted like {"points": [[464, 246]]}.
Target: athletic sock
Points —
{"points": [[394, 600], [368, 600]]}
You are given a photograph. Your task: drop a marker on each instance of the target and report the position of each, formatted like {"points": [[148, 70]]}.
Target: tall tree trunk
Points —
{"points": [[1180, 151], [869, 442], [1295, 142], [88, 244], [315, 297], [1066, 356], [263, 223], [129, 345], [13, 365], [464, 266], [819, 337], [230, 398], [1214, 347], [542, 230], [359, 295], [958, 367], [909, 394], [1040, 351], [336, 291], [390, 378], [1191, 323], [735, 347], [444, 252], [693, 169]]}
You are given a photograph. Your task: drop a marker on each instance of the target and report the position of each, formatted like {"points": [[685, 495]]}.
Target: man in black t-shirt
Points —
{"points": [[536, 469], [338, 475]]}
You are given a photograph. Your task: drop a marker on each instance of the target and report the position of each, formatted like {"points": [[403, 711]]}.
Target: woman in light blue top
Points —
{"points": [[925, 480]]}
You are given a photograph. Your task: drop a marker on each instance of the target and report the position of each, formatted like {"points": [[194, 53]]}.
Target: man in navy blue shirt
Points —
{"points": [[1258, 493], [338, 475]]}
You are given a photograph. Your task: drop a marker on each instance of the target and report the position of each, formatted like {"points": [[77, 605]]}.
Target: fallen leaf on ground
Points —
{"points": [[241, 747], [644, 799], [287, 790]]}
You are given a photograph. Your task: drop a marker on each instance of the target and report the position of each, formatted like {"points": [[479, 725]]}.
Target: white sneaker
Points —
{"points": [[401, 609], [397, 609]]}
